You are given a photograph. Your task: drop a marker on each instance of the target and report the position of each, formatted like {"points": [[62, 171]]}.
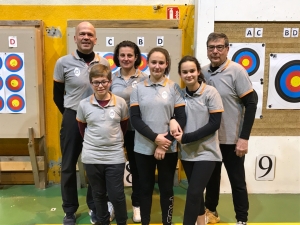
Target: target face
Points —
{"points": [[248, 58], [1, 103], [13, 63], [1, 62], [144, 65], [15, 103], [110, 59], [14, 83], [1, 83], [287, 81]]}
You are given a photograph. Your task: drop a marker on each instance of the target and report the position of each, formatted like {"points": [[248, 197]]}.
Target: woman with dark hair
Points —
{"points": [[153, 103], [127, 56], [199, 145]]}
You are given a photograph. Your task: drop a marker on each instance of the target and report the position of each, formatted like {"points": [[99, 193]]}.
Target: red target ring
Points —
{"points": [[144, 65], [1, 103], [13, 63], [14, 83], [110, 59], [1, 83], [15, 103]]}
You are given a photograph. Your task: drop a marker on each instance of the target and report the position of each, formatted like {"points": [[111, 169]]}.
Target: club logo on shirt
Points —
{"points": [[134, 84], [77, 71], [164, 95], [112, 114]]}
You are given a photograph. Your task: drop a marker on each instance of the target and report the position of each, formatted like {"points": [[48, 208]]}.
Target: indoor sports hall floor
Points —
{"points": [[27, 205]]}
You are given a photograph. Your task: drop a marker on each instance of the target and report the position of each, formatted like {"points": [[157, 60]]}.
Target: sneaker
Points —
{"points": [[111, 211], [212, 217], [69, 219], [136, 216], [241, 223], [93, 216]]}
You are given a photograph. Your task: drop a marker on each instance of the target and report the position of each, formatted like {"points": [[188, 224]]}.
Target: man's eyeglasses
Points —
{"points": [[97, 83], [218, 47]]}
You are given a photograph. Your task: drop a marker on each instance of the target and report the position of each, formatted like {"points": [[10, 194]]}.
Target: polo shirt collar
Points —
{"points": [[137, 73], [96, 59], [198, 92], [112, 101], [163, 83], [221, 68]]}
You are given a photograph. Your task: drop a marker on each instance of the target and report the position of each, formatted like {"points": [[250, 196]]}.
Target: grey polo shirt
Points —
{"points": [[123, 88], [103, 138], [232, 82], [74, 72], [198, 107], [157, 102]]}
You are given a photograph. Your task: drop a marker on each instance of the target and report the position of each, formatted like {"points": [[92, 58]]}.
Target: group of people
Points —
{"points": [[206, 123]]}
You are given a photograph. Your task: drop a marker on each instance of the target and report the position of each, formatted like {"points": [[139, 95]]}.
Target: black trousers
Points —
{"points": [[108, 179], [146, 165], [236, 173], [129, 145], [71, 147], [198, 174]]}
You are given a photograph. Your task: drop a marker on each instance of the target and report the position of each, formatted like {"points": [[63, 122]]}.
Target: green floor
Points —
{"points": [[26, 205]]}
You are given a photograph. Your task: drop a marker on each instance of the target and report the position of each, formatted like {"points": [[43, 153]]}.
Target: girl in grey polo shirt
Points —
{"points": [[152, 104], [199, 145], [127, 55]]}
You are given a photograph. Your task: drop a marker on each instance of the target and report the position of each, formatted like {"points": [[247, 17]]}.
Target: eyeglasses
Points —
{"points": [[97, 83], [218, 47]]}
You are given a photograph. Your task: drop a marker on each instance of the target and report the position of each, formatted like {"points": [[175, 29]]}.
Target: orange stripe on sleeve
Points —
{"points": [[246, 93], [134, 104]]}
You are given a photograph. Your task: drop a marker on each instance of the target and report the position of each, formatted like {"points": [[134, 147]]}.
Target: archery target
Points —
{"points": [[13, 63], [248, 59], [1, 104], [110, 58], [14, 83], [1, 83], [284, 81], [1, 63], [15, 103], [144, 65], [251, 56], [287, 81]]}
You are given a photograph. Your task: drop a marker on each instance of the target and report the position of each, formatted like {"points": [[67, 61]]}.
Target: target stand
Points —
{"points": [[22, 144]]}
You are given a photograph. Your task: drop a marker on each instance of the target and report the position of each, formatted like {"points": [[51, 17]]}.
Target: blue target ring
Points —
{"points": [[1, 83], [1, 63], [13, 63], [1, 103], [15, 103], [144, 65], [287, 81], [248, 58]]}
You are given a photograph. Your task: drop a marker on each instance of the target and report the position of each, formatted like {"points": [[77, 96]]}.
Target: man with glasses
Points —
{"points": [[233, 83], [71, 85]]}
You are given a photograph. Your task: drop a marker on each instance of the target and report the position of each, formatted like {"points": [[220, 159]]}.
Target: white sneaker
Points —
{"points": [[241, 223], [136, 215], [111, 211]]}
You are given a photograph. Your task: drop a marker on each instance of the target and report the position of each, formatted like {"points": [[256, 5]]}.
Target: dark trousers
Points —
{"points": [[129, 145], [108, 179], [198, 174], [146, 165], [236, 173], [71, 147]]}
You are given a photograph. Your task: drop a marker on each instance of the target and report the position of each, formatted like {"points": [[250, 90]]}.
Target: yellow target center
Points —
{"points": [[15, 103], [111, 62], [245, 62], [14, 83], [295, 81], [142, 63], [13, 63]]}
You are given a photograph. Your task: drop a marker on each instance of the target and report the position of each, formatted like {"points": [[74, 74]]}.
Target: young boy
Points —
{"points": [[102, 119]]}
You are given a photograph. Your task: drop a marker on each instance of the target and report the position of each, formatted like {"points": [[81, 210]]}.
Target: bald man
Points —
{"points": [[71, 84]]}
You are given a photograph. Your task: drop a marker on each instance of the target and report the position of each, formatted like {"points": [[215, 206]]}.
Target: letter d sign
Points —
{"points": [[12, 42]]}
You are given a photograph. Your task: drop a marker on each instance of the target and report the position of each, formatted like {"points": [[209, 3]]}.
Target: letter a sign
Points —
{"points": [[172, 13]]}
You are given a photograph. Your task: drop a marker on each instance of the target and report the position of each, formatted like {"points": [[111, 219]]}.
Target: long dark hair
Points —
{"points": [[189, 58]]}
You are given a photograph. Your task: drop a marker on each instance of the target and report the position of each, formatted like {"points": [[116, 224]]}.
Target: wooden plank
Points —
{"points": [[20, 163], [35, 23], [172, 24], [17, 178], [33, 157]]}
